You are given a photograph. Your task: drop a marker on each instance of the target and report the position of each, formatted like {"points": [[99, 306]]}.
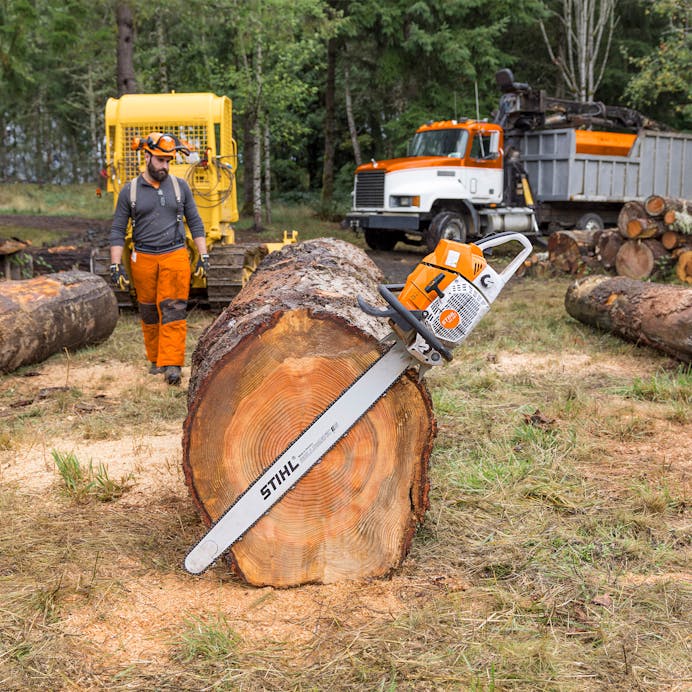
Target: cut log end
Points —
{"points": [[354, 514]]}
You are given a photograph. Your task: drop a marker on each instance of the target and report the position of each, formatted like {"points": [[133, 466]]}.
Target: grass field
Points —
{"points": [[554, 556]]}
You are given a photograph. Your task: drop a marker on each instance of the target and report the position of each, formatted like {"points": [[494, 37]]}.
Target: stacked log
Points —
{"points": [[651, 238], [657, 234]]}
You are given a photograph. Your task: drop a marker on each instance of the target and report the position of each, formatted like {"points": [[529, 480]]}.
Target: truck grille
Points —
{"points": [[370, 189]]}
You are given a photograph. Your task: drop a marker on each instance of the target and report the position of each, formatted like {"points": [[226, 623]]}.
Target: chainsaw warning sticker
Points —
{"points": [[449, 319]]}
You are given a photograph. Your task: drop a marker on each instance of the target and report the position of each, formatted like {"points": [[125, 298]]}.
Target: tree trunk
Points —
{"points": [[349, 116], [127, 83], [639, 259], [656, 315], [570, 250], [607, 246], [329, 127], [672, 239], [267, 175], [291, 341], [643, 228], [42, 316]]}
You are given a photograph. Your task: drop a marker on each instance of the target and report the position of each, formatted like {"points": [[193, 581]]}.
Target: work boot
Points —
{"points": [[172, 374], [156, 370]]}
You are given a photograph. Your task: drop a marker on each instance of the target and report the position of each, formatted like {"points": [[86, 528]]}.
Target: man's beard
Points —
{"points": [[160, 175]]}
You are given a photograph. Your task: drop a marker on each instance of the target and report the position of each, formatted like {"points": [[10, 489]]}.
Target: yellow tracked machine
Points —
{"points": [[205, 122]]}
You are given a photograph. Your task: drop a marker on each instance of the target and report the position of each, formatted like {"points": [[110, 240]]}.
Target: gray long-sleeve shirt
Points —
{"points": [[156, 225]]}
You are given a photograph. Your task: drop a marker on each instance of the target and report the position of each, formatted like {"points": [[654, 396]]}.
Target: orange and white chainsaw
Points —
{"points": [[440, 304]]}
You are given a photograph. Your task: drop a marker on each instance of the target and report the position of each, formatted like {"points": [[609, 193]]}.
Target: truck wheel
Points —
{"points": [[591, 222], [381, 240], [446, 224]]}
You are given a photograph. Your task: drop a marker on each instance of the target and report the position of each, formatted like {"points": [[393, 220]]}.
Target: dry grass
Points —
{"points": [[555, 555]]}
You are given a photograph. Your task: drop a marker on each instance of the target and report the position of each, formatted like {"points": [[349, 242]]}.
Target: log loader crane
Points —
{"points": [[204, 121]]}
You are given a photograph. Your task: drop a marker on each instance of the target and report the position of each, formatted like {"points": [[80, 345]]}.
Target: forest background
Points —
{"points": [[319, 85]]}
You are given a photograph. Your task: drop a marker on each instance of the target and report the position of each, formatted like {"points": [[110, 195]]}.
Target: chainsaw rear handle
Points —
{"points": [[403, 317], [500, 239]]}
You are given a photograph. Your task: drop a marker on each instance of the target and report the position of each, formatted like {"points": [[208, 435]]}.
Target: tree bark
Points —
{"points": [[44, 315], [656, 315], [291, 341]]}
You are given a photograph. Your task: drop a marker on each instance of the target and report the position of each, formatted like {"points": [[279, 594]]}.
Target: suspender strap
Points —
{"points": [[178, 199]]}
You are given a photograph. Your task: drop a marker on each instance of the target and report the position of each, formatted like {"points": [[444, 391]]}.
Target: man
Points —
{"points": [[156, 203]]}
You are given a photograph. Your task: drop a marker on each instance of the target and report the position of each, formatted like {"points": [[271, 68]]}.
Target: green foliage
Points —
{"points": [[81, 483]]}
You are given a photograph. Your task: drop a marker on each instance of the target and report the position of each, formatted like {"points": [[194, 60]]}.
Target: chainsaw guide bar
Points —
{"points": [[303, 454]]}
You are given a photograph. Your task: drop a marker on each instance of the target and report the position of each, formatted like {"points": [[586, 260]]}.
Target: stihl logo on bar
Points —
{"points": [[278, 478]]}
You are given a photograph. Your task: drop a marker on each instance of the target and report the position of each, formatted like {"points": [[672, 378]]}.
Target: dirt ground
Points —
{"points": [[137, 632]]}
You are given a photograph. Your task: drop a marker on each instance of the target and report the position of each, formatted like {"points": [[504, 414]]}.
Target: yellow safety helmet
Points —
{"points": [[161, 144]]}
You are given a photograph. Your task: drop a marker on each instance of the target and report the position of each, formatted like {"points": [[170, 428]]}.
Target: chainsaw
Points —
{"points": [[442, 301]]}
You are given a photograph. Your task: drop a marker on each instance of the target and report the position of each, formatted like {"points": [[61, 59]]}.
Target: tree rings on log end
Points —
{"points": [[354, 514]]}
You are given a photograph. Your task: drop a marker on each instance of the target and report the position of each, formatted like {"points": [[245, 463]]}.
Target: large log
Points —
{"points": [[656, 315], [47, 314], [290, 342], [683, 268], [640, 259]]}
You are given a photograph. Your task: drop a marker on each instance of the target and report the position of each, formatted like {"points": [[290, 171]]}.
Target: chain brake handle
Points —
{"points": [[403, 317]]}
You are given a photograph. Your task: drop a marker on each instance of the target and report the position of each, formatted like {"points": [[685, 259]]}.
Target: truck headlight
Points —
{"points": [[404, 201]]}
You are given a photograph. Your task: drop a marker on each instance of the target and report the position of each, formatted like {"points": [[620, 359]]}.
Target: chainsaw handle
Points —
{"points": [[403, 317], [500, 239]]}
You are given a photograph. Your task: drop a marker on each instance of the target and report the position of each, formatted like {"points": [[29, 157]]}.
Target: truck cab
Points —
{"points": [[454, 171]]}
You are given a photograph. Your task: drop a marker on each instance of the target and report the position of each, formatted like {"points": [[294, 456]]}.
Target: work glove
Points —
{"points": [[119, 277], [202, 267]]}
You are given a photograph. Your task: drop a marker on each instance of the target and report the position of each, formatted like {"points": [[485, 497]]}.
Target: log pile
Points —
{"points": [[651, 238], [290, 342]]}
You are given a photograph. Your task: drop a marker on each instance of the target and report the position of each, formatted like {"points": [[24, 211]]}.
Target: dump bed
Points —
{"points": [[560, 170]]}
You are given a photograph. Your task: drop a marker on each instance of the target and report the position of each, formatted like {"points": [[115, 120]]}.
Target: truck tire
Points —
{"points": [[447, 224], [381, 240], [590, 222]]}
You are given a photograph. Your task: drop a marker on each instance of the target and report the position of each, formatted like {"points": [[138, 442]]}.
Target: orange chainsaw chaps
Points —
{"points": [[451, 259], [163, 286]]}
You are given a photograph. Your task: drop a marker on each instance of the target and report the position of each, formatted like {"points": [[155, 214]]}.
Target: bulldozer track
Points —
{"points": [[230, 267]]}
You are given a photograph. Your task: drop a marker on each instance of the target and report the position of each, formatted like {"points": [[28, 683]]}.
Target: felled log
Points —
{"points": [[655, 205], [536, 265], [680, 221], [607, 246], [290, 342], [683, 267], [656, 315], [571, 251], [47, 314], [643, 228], [630, 210], [672, 239], [640, 259], [14, 262]]}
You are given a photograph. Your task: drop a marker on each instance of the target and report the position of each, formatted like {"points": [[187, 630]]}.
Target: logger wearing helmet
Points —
{"points": [[157, 202]]}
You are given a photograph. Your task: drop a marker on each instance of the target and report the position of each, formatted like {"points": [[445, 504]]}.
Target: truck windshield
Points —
{"points": [[439, 143]]}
